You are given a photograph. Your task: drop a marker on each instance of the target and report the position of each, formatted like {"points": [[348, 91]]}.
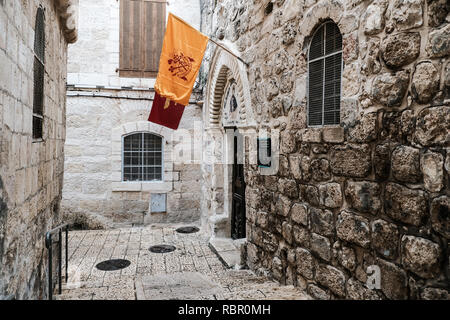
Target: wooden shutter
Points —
{"points": [[142, 27], [325, 68], [315, 83]]}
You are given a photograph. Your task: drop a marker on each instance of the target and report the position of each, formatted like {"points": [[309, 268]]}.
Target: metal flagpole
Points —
{"points": [[215, 42], [228, 50]]}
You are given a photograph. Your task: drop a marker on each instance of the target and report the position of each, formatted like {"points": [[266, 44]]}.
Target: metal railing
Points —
{"points": [[49, 245]]}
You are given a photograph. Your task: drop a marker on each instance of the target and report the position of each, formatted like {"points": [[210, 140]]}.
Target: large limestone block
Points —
{"points": [[400, 49]]}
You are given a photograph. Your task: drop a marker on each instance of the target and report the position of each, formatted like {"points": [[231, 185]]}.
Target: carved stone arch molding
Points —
{"points": [[225, 67], [321, 11]]}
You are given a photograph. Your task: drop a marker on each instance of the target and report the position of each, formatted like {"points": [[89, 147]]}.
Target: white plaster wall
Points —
{"points": [[94, 59]]}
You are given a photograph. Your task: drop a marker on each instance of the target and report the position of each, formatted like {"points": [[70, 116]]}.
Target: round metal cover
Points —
{"points": [[187, 230], [113, 265], [162, 248]]}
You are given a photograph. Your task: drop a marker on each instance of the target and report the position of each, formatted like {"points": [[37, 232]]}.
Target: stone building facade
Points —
{"points": [[31, 170], [103, 107], [369, 193]]}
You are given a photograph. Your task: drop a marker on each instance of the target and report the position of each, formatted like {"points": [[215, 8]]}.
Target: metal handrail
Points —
{"points": [[48, 245]]}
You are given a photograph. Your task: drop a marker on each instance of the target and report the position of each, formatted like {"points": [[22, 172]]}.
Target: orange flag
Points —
{"points": [[181, 57]]}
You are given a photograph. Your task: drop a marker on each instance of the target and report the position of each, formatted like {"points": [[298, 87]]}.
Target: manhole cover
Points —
{"points": [[113, 265], [187, 230], [162, 248]]}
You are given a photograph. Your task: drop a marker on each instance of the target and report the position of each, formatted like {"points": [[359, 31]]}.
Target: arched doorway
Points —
{"points": [[228, 117]]}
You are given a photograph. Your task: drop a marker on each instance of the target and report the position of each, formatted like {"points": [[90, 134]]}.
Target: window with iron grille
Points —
{"points": [[324, 82], [39, 71], [142, 157]]}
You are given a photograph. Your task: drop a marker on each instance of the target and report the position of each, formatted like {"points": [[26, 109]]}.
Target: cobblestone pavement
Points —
{"points": [[200, 274]]}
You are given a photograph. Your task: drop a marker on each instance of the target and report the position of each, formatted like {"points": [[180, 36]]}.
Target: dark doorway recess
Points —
{"points": [[162, 248], [113, 265], [238, 189], [188, 230]]}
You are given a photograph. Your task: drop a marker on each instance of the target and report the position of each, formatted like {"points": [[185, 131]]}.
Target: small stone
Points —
{"points": [[393, 280], [390, 89], [421, 256], [382, 161], [301, 236], [351, 160], [374, 17], [406, 164], [435, 294], [269, 241], [305, 166], [358, 291], [433, 126], [332, 278], [440, 215], [385, 238], [322, 221], [321, 246], [289, 32], [262, 219], [439, 42], [320, 170], [271, 183], [405, 205], [400, 49], [437, 11], [288, 142], [272, 89], [347, 258], [364, 196], [407, 14], [425, 82], [299, 213], [289, 188], [305, 263], [317, 293], [330, 195], [432, 165], [287, 104], [286, 82], [277, 268], [364, 130], [287, 232], [353, 228], [312, 195]]}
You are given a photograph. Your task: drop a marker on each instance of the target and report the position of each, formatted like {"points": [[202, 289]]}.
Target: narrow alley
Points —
{"points": [[191, 272]]}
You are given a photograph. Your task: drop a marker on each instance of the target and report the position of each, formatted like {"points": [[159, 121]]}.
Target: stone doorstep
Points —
{"points": [[227, 250]]}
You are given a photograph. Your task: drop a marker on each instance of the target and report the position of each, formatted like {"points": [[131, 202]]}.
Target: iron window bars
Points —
{"points": [[142, 157]]}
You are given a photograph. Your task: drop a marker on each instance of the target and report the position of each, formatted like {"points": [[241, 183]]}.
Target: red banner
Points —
{"points": [[166, 112]]}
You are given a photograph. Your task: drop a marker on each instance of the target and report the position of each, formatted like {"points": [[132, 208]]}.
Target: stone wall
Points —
{"points": [[102, 107], [372, 191], [94, 194], [31, 173]]}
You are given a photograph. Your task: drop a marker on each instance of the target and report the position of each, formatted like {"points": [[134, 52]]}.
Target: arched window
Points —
{"points": [[39, 71], [142, 157], [324, 82]]}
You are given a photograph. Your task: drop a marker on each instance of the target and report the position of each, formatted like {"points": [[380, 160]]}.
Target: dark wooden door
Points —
{"points": [[238, 190]]}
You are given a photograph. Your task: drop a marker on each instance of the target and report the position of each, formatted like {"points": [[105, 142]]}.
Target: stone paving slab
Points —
{"points": [[192, 271]]}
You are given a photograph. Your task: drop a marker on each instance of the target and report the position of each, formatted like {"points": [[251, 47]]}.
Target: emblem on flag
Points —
{"points": [[180, 65]]}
